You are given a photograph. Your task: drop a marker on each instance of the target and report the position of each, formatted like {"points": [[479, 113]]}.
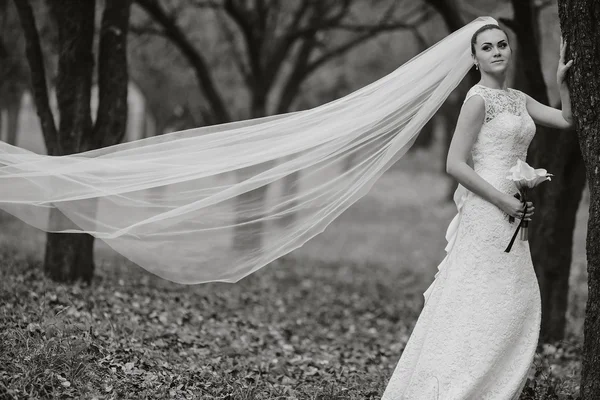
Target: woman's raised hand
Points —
{"points": [[561, 72]]}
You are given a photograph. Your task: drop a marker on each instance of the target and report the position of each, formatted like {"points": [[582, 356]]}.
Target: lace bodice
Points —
{"points": [[505, 135]]}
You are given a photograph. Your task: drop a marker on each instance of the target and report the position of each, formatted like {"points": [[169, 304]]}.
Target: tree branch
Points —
{"points": [[383, 25], [322, 24], [238, 57], [207, 4], [147, 30], [373, 28], [510, 24], [450, 12], [303, 67], [111, 120], [296, 77], [286, 42], [374, 31], [38, 75], [419, 38], [252, 38], [178, 38]]}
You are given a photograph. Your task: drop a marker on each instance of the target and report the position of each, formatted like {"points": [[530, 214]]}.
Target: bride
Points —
{"points": [[173, 204], [477, 333]]}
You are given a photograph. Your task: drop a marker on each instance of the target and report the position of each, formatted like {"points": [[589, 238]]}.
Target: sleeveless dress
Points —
{"points": [[477, 333]]}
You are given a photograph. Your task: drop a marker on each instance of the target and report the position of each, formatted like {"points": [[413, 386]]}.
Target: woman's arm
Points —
{"points": [[468, 125], [548, 116]]}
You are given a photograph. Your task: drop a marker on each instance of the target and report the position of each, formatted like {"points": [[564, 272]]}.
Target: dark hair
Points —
{"points": [[483, 29]]}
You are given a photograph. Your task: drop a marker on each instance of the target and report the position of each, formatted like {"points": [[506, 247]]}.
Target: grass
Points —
{"points": [[328, 321]]}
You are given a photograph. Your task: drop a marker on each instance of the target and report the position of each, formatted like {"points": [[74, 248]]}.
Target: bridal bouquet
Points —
{"points": [[525, 178]]}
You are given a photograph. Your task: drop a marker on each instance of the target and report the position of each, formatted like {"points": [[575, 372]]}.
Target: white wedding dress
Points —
{"points": [[476, 336]]}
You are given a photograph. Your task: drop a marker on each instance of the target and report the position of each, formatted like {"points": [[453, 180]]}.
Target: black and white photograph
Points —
{"points": [[300, 199]]}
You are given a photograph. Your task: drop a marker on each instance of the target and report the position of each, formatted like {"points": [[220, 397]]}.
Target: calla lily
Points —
{"points": [[526, 177]]}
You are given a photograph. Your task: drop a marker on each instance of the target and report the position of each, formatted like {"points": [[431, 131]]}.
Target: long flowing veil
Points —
{"points": [[216, 203]]}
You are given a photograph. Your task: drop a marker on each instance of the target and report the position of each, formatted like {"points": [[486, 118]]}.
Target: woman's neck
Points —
{"points": [[494, 82]]}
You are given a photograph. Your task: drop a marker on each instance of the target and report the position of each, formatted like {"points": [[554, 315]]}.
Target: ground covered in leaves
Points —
{"points": [[293, 331], [328, 321]]}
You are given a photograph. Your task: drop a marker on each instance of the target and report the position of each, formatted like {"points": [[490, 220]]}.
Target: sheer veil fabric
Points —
{"points": [[178, 203]]}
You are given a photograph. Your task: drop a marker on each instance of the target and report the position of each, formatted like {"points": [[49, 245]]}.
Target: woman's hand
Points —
{"points": [[514, 207], [561, 72]]}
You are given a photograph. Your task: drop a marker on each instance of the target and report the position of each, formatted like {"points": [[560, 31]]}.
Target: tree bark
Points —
{"points": [[195, 58], [556, 202], [13, 79], [69, 257], [35, 58], [579, 24], [113, 77], [12, 121], [425, 138], [449, 10]]}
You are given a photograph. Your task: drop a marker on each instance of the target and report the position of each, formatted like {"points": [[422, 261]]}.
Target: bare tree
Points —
{"points": [[556, 204], [426, 135], [279, 46], [451, 14], [579, 24], [70, 256], [13, 78]]}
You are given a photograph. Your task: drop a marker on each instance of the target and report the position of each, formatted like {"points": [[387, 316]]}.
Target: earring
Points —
{"points": [[477, 66]]}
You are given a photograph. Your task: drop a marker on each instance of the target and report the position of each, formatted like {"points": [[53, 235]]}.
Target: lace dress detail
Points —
{"points": [[499, 101], [476, 336]]}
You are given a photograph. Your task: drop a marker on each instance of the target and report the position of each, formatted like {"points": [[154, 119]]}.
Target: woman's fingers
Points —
{"points": [[530, 210]]}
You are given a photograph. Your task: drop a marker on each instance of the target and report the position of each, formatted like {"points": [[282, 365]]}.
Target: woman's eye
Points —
{"points": [[486, 48], [502, 45]]}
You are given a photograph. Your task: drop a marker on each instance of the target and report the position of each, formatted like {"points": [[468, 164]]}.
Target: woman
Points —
{"points": [[478, 331]]}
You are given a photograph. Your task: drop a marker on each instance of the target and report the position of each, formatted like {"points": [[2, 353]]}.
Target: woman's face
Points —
{"points": [[492, 51]]}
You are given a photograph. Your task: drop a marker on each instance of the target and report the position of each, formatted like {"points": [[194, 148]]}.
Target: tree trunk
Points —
{"points": [[249, 207], [249, 235], [37, 74], [113, 76], [449, 10], [12, 121], [290, 188], [70, 256], [425, 137], [451, 110], [552, 231], [556, 202], [579, 24]]}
